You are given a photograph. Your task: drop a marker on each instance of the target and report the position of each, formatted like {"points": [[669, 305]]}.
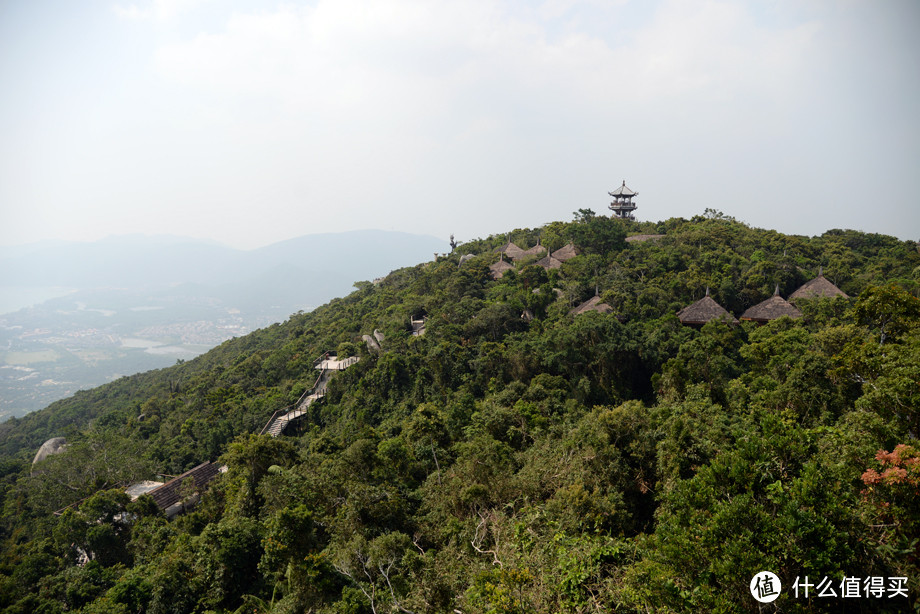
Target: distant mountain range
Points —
{"points": [[140, 260], [142, 302]]}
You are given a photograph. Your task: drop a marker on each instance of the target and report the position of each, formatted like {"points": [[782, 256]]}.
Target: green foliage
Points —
{"points": [[554, 463]]}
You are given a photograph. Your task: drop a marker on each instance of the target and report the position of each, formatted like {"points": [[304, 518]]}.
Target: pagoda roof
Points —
{"points": [[592, 304], [566, 252], [498, 268], [817, 288], [549, 262], [771, 309], [509, 248], [704, 310], [623, 191]]}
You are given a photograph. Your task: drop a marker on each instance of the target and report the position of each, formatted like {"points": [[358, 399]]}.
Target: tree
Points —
{"points": [[887, 310], [248, 459]]}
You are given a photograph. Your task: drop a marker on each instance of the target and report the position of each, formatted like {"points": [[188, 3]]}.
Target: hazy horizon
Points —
{"points": [[248, 123]]}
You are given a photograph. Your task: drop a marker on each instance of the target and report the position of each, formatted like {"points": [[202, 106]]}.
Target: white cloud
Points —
{"points": [[160, 10], [440, 116], [344, 52], [409, 97]]}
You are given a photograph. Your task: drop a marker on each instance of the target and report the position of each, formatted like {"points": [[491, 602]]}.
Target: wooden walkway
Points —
{"points": [[283, 417]]}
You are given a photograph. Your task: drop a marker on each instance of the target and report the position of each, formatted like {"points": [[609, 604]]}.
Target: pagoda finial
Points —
{"points": [[776, 292], [821, 271], [707, 290]]}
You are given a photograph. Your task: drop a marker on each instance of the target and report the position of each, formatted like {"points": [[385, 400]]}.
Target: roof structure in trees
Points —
{"points": [[549, 262], [510, 249], [498, 268], [771, 309], [704, 310], [566, 252], [536, 250], [816, 288], [592, 304], [171, 493]]}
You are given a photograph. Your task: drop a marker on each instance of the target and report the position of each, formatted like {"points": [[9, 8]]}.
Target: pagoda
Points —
{"points": [[622, 205]]}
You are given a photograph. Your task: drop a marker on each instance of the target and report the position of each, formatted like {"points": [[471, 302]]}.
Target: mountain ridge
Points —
{"points": [[500, 463]]}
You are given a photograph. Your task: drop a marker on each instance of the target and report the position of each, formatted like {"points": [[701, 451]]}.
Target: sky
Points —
{"points": [[248, 123]]}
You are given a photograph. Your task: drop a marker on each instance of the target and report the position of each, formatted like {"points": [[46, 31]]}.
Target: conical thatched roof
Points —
{"points": [[536, 250], [703, 311], [498, 269], [510, 249], [770, 309], [592, 304], [549, 262], [817, 288], [566, 252]]}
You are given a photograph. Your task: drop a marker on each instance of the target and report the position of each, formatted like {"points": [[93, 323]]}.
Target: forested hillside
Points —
{"points": [[595, 462]]}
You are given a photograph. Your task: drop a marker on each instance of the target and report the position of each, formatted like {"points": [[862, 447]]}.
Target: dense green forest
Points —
{"points": [[600, 462]]}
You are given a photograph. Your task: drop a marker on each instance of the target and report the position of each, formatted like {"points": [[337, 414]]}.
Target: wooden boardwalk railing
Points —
{"points": [[284, 416]]}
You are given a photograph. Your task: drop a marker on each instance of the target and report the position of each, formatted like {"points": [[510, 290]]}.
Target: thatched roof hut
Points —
{"points": [[536, 250], [703, 311], [817, 288], [498, 268], [592, 304], [509, 249], [549, 262], [771, 309], [566, 252]]}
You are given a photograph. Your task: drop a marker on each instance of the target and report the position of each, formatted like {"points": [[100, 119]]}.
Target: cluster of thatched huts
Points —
{"points": [[550, 260], [706, 309], [702, 311]]}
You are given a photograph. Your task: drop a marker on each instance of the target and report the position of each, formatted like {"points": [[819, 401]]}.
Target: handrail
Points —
{"points": [[272, 419], [310, 391]]}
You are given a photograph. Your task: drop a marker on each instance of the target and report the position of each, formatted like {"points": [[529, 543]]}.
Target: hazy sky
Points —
{"points": [[253, 122]]}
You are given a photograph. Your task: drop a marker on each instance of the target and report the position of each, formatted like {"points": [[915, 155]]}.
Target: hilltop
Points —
{"points": [[522, 455]]}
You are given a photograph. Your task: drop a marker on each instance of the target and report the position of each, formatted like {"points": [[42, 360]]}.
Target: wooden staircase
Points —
{"points": [[283, 417]]}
